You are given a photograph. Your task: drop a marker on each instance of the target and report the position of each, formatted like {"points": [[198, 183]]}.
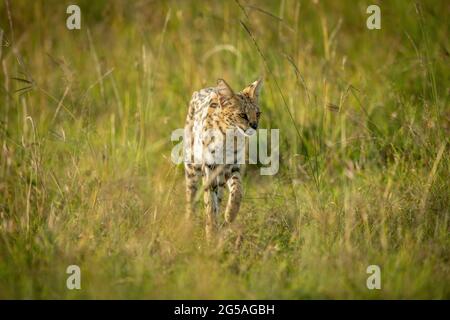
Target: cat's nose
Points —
{"points": [[254, 125]]}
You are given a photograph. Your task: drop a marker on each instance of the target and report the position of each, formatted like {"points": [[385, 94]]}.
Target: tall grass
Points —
{"points": [[85, 170]]}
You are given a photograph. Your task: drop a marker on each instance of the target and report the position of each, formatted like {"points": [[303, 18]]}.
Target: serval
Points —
{"points": [[215, 115]]}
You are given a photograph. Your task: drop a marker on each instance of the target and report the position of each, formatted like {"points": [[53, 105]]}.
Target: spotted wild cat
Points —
{"points": [[213, 114]]}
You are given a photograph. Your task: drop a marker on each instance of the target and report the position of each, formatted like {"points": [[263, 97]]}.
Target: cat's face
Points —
{"points": [[241, 110]]}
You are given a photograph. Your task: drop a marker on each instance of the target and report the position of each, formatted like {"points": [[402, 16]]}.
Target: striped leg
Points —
{"points": [[235, 193], [211, 200], [192, 174], [220, 186]]}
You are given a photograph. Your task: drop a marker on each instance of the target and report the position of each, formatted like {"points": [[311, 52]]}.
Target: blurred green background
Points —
{"points": [[85, 170]]}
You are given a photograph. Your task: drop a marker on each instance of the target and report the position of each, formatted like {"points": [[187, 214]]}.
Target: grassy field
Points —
{"points": [[85, 170]]}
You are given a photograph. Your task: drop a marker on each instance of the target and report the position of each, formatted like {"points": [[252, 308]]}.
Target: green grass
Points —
{"points": [[85, 170]]}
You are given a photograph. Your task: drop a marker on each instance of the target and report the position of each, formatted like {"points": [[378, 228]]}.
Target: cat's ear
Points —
{"points": [[224, 91], [254, 89]]}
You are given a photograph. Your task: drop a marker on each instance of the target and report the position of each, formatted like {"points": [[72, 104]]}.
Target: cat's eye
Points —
{"points": [[258, 114], [243, 116]]}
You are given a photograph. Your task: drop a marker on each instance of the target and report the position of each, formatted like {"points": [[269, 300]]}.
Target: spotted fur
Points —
{"points": [[218, 109]]}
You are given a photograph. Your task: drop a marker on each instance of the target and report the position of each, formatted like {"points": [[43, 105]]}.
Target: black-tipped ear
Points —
{"points": [[254, 89], [223, 89], [224, 92]]}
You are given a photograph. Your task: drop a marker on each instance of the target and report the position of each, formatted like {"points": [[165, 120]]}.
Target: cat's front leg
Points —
{"points": [[210, 199], [235, 193]]}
